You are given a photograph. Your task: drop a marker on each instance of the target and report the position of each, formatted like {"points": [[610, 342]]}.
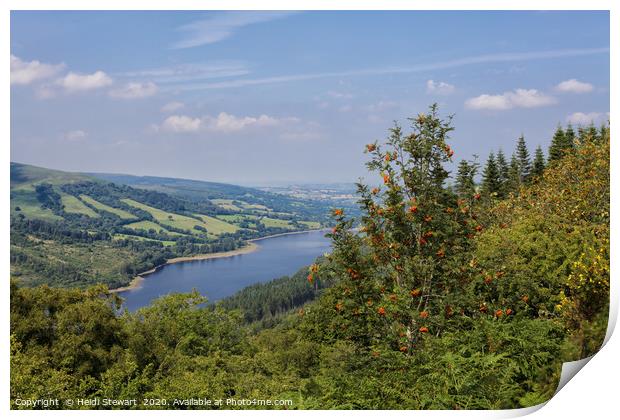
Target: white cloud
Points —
{"points": [[24, 73], [223, 122], [381, 106], [181, 124], [519, 98], [582, 118], [574, 86], [191, 71], [221, 26], [172, 106], [134, 90], [74, 82], [75, 135], [227, 123], [440, 88]]}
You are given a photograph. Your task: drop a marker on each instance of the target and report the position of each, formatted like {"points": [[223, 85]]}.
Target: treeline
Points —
{"points": [[501, 177], [265, 303]]}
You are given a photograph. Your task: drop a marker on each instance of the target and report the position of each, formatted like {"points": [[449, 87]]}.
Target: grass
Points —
{"points": [[276, 223], [179, 221], [311, 225], [217, 227], [229, 205], [119, 236], [226, 204], [23, 176], [74, 205], [147, 225], [29, 206], [100, 206], [237, 218]]}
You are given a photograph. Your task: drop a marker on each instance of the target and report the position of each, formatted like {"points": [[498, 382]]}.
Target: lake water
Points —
{"points": [[221, 277]]}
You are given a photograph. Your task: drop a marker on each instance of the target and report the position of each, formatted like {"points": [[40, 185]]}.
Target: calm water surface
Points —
{"points": [[221, 277]]}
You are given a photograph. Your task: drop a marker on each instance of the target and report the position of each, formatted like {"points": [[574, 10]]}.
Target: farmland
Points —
{"points": [[94, 230]]}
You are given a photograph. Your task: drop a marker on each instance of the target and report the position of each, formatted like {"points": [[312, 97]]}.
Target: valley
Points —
{"points": [[75, 230]]}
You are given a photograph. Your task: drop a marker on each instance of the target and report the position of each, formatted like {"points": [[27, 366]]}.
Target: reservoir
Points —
{"points": [[218, 278]]}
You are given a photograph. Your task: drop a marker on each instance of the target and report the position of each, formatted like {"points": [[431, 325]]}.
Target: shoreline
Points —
{"points": [[287, 233], [136, 282]]}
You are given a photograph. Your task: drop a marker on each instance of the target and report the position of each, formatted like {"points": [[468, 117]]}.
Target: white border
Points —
{"points": [[592, 394]]}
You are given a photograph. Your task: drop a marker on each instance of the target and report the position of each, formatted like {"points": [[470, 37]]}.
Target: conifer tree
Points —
{"points": [[523, 156], [569, 137], [502, 166], [465, 184], [491, 182], [539, 163], [556, 150], [514, 175]]}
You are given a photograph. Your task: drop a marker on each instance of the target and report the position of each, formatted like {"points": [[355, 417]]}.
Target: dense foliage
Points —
{"points": [[444, 298]]}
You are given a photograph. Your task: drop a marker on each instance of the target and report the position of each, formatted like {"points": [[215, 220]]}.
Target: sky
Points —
{"points": [[270, 98]]}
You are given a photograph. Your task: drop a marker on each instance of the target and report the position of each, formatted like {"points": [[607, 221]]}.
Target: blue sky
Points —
{"points": [[273, 97]]}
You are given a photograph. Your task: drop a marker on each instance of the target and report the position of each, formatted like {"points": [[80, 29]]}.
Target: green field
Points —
{"points": [[74, 205], [276, 223], [28, 205], [237, 218], [179, 221], [23, 176], [238, 205], [226, 204], [311, 225], [119, 236], [147, 225], [215, 226], [100, 206]]}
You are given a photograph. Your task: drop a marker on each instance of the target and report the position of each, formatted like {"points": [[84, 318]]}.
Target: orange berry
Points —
{"points": [[386, 178], [478, 228], [423, 330], [381, 311], [424, 314], [375, 191], [477, 196], [413, 209], [339, 306], [441, 253], [371, 147], [310, 278], [337, 212], [428, 218], [415, 292], [508, 311], [499, 313], [403, 349]]}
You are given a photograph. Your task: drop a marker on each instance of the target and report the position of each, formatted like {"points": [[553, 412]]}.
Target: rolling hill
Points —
{"points": [[69, 229]]}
